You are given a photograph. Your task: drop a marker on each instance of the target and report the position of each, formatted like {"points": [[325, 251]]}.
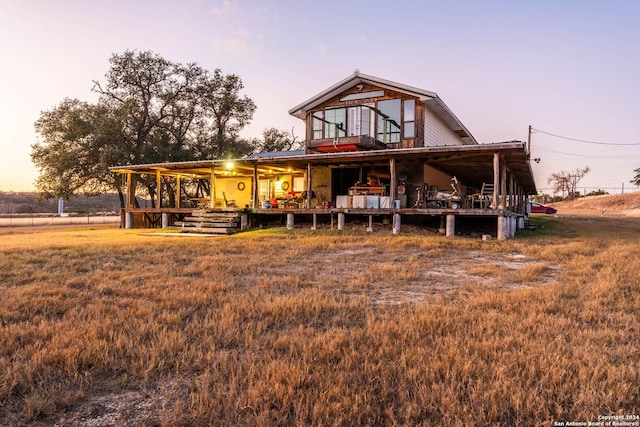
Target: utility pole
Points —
{"points": [[529, 141]]}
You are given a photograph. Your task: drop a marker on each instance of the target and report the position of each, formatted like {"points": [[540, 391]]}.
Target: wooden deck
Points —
{"points": [[228, 221]]}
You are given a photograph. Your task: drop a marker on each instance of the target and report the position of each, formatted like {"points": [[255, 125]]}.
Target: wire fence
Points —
{"points": [[33, 220]]}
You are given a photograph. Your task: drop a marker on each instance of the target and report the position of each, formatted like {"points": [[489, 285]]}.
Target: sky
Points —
{"points": [[566, 68]]}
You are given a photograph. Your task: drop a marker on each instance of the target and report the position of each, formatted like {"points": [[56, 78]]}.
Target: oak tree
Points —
{"points": [[150, 110]]}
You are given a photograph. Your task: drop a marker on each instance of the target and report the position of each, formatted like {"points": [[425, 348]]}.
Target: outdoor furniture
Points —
{"points": [[484, 198], [228, 203]]}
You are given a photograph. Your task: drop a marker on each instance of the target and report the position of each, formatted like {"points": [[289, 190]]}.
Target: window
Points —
{"points": [[409, 118], [334, 122], [359, 121], [388, 120], [318, 119], [354, 121]]}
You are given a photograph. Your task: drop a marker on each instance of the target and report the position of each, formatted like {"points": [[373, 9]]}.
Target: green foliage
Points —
{"points": [[598, 192], [150, 110], [277, 140], [636, 179], [79, 141]]}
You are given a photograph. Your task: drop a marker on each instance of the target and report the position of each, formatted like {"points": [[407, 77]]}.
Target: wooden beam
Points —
{"points": [[158, 186], [496, 178], [212, 195], [178, 192], [254, 188], [131, 197], [309, 184], [393, 186], [512, 192], [503, 186]]}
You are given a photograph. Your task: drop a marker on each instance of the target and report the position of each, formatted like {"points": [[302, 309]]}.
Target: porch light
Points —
{"points": [[229, 165]]}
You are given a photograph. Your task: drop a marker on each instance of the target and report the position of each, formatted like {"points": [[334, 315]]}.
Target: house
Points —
{"points": [[373, 147]]}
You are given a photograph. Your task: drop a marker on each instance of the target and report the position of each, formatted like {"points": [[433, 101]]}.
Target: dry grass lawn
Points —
{"points": [[111, 327]]}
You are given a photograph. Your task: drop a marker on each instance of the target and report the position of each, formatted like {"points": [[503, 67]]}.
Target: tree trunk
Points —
{"points": [[152, 194]]}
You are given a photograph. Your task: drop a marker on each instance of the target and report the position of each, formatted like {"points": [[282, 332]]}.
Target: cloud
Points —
{"points": [[320, 49], [226, 8], [241, 44]]}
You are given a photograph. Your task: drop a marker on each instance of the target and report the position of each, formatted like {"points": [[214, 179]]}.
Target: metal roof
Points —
{"points": [[275, 154], [430, 99]]}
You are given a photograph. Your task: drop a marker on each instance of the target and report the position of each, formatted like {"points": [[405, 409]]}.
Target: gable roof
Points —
{"points": [[430, 99]]}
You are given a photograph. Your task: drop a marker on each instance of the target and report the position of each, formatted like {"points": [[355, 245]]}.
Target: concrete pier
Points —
{"points": [[451, 225]]}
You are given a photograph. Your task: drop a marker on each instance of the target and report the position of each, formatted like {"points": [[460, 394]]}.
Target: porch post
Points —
{"points": [[512, 192], [158, 184], [212, 193], [254, 187], [309, 184], [496, 178], [178, 192], [503, 186], [128, 216], [131, 197], [394, 181]]}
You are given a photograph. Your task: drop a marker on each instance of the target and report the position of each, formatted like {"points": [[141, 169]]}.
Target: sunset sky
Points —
{"points": [[569, 68]]}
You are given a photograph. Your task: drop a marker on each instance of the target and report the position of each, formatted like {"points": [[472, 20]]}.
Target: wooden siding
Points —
{"points": [[321, 178], [433, 176], [436, 133], [229, 186]]}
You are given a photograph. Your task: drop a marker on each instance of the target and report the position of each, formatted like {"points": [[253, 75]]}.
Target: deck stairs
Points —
{"points": [[205, 221]]}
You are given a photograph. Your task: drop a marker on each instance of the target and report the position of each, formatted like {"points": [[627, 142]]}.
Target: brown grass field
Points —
{"points": [[101, 326]]}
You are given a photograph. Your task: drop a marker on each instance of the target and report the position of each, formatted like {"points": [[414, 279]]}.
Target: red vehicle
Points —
{"points": [[540, 208]]}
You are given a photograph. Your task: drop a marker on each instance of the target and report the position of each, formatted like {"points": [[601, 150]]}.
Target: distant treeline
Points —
{"points": [[32, 203]]}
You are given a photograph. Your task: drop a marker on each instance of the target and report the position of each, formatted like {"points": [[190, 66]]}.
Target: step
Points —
{"points": [[193, 222], [198, 229]]}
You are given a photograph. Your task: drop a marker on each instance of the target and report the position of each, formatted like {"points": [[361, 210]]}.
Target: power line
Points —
{"points": [[581, 140], [588, 156]]}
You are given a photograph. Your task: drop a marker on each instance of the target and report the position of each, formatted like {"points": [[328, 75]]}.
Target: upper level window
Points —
{"points": [[335, 121], [409, 118], [360, 121], [388, 127], [318, 121]]}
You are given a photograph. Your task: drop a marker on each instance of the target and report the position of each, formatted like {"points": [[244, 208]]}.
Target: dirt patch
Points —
{"points": [[429, 274], [112, 410]]}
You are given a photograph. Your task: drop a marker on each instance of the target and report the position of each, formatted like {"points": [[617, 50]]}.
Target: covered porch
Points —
{"points": [[490, 180]]}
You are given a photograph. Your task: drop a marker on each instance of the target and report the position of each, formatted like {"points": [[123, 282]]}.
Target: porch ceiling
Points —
{"points": [[471, 164]]}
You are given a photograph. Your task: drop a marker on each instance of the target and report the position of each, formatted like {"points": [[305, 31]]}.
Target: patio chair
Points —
{"points": [[484, 198], [228, 203]]}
